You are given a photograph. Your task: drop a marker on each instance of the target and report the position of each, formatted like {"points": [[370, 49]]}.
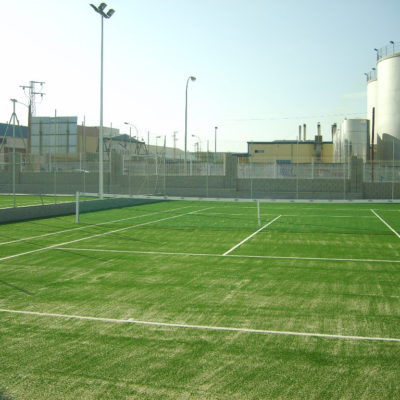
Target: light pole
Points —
{"points": [[131, 125], [130, 135], [100, 10], [191, 78], [14, 119], [215, 143], [392, 43], [157, 137], [198, 145]]}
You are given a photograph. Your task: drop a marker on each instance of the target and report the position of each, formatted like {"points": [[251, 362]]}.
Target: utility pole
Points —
{"points": [[31, 92], [175, 140]]}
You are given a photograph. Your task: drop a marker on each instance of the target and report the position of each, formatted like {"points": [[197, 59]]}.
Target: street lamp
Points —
{"points": [[198, 146], [100, 10], [215, 143], [377, 54], [157, 137], [191, 78], [392, 45], [131, 125]]}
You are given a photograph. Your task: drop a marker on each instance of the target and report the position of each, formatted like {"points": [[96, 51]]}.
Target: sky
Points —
{"points": [[262, 67]]}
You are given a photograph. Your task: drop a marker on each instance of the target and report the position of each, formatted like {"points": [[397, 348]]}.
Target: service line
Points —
{"points": [[168, 253], [204, 327], [249, 237]]}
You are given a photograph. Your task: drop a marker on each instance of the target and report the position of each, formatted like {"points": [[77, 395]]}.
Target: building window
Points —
{"points": [[258, 151]]}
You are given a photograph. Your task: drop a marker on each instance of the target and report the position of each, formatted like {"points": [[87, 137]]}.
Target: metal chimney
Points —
{"points": [[304, 131], [334, 130], [299, 137], [319, 129]]}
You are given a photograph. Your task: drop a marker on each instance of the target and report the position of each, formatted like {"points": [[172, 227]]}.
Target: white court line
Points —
{"points": [[222, 255], [90, 225], [252, 235], [296, 215], [97, 235], [382, 220], [204, 327]]}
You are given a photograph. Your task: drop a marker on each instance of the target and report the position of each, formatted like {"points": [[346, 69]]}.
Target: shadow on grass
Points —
{"points": [[19, 289]]}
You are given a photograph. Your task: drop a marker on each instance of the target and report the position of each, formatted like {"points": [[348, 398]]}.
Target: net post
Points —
{"points": [[258, 213], [77, 208]]}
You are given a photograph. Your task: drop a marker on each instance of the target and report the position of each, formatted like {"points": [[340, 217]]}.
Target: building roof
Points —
{"points": [[124, 137], [20, 131], [290, 142]]}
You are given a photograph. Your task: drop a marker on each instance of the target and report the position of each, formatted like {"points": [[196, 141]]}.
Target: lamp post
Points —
{"points": [[131, 125], [130, 135], [191, 78], [377, 54], [392, 45], [100, 10], [215, 143], [198, 146]]}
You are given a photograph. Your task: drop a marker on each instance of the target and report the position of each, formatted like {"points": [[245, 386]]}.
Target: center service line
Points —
{"points": [[99, 235], [205, 327], [249, 237]]}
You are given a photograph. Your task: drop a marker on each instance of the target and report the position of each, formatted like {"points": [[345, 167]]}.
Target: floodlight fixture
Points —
{"points": [[100, 10]]}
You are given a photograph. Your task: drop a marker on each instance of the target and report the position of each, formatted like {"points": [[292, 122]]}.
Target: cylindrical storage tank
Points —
{"points": [[355, 138], [372, 89], [387, 118]]}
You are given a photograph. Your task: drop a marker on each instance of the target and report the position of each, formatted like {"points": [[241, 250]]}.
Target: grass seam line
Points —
{"points": [[382, 220], [251, 236], [98, 235], [203, 327], [221, 255]]}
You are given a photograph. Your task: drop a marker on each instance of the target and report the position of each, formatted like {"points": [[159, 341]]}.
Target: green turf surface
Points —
{"points": [[164, 263]]}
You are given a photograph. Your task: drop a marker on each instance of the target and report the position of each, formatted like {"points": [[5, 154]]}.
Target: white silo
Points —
{"points": [[388, 96], [354, 138]]}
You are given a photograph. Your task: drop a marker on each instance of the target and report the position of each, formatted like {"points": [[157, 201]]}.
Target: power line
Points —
{"points": [[293, 117]]}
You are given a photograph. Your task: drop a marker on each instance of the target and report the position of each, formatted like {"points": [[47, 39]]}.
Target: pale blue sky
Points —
{"points": [[263, 67]]}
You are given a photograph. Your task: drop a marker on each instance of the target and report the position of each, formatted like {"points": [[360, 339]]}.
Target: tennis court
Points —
{"points": [[203, 300]]}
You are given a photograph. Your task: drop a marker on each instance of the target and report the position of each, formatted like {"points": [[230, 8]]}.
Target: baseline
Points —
{"points": [[204, 327]]}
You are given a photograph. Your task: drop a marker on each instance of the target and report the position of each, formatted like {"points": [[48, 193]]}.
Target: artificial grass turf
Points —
{"points": [[56, 358], [68, 359]]}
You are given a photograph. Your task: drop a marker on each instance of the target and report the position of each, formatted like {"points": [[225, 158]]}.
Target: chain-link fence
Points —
{"points": [[228, 176]]}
